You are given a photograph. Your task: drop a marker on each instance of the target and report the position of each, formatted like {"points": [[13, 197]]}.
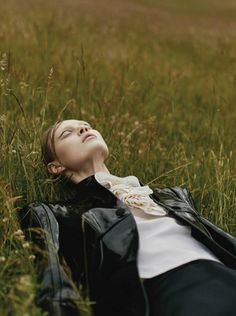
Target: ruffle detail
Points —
{"points": [[129, 191]]}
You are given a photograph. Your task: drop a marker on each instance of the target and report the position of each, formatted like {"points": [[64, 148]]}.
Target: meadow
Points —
{"points": [[157, 79]]}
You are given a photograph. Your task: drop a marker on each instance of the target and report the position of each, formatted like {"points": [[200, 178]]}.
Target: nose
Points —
{"points": [[83, 129]]}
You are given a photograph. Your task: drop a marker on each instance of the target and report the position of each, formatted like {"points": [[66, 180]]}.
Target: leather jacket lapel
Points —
{"points": [[90, 193], [94, 193]]}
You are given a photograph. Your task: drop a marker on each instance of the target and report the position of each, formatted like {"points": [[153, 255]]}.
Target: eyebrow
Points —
{"points": [[70, 127]]}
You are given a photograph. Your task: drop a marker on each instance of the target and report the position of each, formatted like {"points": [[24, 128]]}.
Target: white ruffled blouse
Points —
{"points": [[129, 191]]}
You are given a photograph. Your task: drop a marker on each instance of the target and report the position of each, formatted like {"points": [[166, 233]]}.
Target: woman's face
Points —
{"points": [[77, 144]]}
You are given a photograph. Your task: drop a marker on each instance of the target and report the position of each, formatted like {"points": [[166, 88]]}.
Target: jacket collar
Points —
{"points": [[91, 192]]}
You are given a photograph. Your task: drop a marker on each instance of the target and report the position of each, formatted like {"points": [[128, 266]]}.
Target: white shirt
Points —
{"points": [[164, 243]]}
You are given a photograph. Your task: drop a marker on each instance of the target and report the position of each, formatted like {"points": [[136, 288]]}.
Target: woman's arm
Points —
{"points": [[57, 295]]}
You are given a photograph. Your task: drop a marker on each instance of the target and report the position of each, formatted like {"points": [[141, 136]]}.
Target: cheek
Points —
{"points": [[72, 153], [69, 151]]}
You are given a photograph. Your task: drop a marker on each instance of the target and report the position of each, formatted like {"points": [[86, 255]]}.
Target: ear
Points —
{"points": [[55, 167]]}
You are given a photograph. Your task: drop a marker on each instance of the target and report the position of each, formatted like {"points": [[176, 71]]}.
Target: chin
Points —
{"points": [[99, 148]]}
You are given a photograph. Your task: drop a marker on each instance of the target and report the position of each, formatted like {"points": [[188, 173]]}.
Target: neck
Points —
{"points": [[78, 176]]}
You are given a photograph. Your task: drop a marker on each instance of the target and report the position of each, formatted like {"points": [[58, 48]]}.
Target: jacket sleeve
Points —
{"points": [[223, 238], [56, 293]]}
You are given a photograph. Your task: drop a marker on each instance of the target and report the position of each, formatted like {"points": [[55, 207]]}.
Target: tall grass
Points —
{"points": [[156, 79]]}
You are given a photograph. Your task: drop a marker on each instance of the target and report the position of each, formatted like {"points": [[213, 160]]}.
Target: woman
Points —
{"points": [[136, 252]]}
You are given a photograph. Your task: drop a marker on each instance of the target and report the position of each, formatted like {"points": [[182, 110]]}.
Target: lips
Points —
{"points": [[87, 135]]}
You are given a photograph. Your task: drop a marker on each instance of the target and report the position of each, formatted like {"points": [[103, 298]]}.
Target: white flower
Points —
{"points": [[18, 232], [26, 245]]}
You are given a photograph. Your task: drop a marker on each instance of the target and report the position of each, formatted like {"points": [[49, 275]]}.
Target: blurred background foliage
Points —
{"points": [[156, 78]]}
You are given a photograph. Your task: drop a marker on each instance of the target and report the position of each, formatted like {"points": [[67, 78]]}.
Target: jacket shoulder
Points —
{"points": [[176, 192]]}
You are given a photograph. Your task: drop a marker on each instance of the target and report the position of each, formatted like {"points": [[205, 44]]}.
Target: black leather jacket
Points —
{"points": [[96, 234]]}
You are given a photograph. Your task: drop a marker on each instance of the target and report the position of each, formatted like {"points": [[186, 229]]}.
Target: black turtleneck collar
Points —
{"points": [[89, 193], [90, 190]]}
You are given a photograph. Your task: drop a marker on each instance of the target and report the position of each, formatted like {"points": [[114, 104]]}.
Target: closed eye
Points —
{"points": [[65, 133]]}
